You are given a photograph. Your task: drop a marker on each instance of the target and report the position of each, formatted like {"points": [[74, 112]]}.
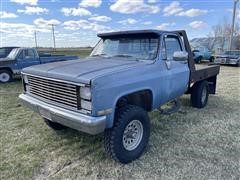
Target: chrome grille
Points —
{"points": [[54, 91]]}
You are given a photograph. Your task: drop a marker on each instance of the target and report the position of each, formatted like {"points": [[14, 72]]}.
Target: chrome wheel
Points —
{"points": [[132, 135], [4, 77], [204, 95]]}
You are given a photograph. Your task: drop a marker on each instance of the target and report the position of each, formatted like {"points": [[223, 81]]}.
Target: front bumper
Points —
{"points": [[75, 120]]}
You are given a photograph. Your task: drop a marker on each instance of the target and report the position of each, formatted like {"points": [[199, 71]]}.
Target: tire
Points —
{"points": [[199, 94], [199, 59], [54, 125], [5, 76], [211, 59], [120, 147]]}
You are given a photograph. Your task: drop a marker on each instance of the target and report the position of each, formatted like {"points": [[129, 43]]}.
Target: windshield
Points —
{"points": [[13, 53], [127, 47]]}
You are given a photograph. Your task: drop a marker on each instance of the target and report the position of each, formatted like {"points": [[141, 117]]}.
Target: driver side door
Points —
{"points": [[27, 58], [178, 71]]}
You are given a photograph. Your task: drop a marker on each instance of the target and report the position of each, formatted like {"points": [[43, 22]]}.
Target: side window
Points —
{"points": [[172, 44], [29, 54], [20, 56]]}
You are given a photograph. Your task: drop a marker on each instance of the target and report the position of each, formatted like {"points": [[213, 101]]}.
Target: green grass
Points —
{"points": [[191, 144], [82, 53], [74, 52]]}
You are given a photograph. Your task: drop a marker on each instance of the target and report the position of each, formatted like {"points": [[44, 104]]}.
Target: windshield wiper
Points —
{"points": [[122, 55], [103, 55], [126, 55]]}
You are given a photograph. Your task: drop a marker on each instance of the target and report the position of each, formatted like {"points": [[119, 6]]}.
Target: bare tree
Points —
{"points": [[220, 34]]}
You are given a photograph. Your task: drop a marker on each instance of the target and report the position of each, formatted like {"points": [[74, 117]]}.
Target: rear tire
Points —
{"points": [[127, 139], [199, 94], [211, 59], [5, 76], [54, 125]]}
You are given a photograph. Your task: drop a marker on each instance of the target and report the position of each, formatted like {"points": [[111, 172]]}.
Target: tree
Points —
{"points": [[220, 35]]}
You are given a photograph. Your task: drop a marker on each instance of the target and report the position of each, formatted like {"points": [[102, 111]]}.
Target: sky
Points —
{"points": [[77, 22]]}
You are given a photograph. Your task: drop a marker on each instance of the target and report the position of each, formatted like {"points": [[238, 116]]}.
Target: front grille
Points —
{"points": [[54, 91]]}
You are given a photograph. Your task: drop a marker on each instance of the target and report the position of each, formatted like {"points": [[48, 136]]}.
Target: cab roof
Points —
{"points": [[148, 31]]}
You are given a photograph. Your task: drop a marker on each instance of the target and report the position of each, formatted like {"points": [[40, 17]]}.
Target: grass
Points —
{"points": [[81, 52], [190, 144]]}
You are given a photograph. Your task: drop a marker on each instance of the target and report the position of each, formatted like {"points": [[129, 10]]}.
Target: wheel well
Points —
{"points": [[6, 68], [140, 98]]}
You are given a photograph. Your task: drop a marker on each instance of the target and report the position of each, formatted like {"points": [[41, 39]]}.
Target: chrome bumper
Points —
{"points": [[75, 120], [226, 61]]}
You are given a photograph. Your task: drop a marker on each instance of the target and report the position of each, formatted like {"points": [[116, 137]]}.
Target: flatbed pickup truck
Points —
{"points": [[128, 74], [20, 58]]}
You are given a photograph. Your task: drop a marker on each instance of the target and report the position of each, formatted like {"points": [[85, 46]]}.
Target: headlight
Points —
{"points": [[86, 105], [85, 93]]}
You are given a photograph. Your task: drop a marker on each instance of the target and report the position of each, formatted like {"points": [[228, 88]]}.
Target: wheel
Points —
{"points": [[54, 125], [127, 139], [5, 76], [199, 94], [211, 59], [199, 59]]}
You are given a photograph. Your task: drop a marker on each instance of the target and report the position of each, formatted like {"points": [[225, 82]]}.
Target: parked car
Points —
{"points": [[228, 57], [20, 58], [4, 51], [127, 74], [202, 53]]}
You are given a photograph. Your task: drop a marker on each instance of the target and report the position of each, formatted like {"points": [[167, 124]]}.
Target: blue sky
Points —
{"points": [[78, 21]]}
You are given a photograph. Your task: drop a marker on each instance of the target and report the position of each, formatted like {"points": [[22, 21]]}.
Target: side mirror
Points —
{"points": [[180, 56]]}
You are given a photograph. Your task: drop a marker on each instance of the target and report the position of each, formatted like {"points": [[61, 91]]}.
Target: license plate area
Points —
{"points": [[45, 113]]}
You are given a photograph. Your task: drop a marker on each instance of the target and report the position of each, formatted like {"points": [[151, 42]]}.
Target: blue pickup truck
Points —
{"points": [[202, 53], [127, 75], [20, 58]]}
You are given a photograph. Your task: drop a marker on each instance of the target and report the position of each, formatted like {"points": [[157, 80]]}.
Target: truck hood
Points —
{"points": [[82, 71]]}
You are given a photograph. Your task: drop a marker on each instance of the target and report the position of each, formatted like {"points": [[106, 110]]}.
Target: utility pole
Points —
{"points": [[35, 37], [233, 23], [53, 36]]}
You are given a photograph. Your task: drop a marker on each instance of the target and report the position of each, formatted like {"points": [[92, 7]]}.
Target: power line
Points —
{"points": [[53, 36], [35, 37]]}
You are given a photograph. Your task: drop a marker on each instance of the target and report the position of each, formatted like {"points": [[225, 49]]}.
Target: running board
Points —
{"points": [[175, 107]]}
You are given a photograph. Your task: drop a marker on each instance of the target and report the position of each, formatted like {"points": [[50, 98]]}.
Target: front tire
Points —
{"points": [[5, 76], [199, 94], [54, 125], [127, 139]]}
